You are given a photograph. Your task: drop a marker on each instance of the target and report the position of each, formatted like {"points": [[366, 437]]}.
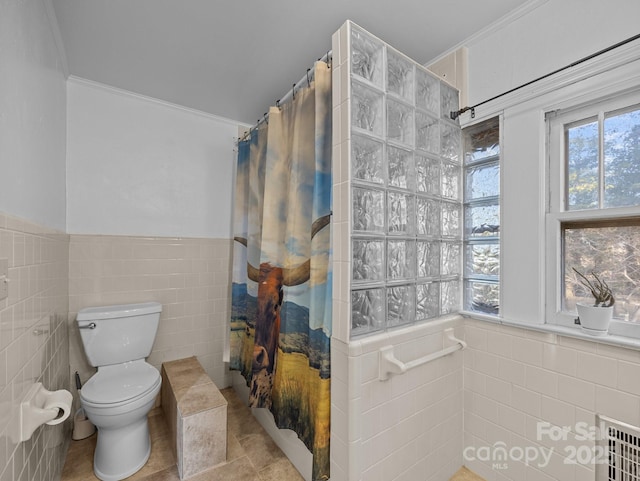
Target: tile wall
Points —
{"points": [[408, 427], [34, 343], [521, 386], [189, 277]]}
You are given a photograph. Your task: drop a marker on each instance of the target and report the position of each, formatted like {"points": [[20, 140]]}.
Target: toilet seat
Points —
{"points": [[120, 384]]}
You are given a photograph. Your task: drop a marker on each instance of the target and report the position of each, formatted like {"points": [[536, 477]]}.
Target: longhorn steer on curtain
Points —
{"points": [[271, 280]]}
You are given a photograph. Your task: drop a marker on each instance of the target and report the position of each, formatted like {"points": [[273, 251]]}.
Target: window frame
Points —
{"points": [[557, 200]]}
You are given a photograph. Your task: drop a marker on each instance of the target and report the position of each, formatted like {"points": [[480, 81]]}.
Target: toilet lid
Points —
{"points": [[120, 382]]}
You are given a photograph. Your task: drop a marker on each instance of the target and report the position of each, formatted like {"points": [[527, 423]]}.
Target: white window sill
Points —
{"points": [[574, 332]]}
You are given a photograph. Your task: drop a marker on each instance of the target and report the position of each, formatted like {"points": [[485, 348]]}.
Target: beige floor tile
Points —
{"points": [[234, 402], [251, 454], [79, 463], [281, 470], [243, 423], [240, 469], [168, 474], [261, 450], [234, 450], [463, 474]]}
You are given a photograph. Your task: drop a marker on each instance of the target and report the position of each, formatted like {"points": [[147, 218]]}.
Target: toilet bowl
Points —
{"points": [[118, 398]]}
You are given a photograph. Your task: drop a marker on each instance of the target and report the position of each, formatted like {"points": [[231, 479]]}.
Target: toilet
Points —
{"points": [[118, 398]]}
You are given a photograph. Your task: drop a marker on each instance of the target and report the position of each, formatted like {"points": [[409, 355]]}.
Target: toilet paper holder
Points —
{"points": [[39, 407]]}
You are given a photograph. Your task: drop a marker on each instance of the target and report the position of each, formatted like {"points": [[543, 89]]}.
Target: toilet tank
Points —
{"points": [[117, 334]]}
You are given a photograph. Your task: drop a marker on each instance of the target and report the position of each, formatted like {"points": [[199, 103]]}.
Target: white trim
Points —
{"points": [[556, 199], [611, 339], [126, 93], [492, 28], [374, 342], [584, 79], [613, 73]]}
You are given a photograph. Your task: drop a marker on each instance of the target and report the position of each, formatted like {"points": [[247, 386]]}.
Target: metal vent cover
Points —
{"points": [[620, 446]]}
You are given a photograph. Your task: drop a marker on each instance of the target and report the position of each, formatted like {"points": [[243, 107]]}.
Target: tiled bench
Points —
{"points": [[196, 413]]}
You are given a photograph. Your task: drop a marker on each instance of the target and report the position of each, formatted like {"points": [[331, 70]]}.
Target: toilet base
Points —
{"points": [[121, 452]]}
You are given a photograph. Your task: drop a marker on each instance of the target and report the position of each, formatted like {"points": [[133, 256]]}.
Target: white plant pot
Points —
{"points": [[594, 320]]}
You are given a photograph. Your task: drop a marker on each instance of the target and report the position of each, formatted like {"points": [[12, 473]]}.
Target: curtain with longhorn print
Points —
{"points": [[281, 295]]}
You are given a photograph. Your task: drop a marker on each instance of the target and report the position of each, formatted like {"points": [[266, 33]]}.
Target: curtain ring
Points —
{"points": [[308, 82], [247, 135], [293, 91], [278, 104]]}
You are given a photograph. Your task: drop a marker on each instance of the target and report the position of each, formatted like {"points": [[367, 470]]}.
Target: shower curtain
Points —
{"points": [[281, 294]]}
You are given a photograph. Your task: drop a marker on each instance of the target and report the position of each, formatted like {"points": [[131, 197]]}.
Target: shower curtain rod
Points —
{"points": [[455, 114], [292, 91]]}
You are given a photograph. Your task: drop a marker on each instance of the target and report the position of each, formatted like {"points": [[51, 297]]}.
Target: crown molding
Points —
{"points": [[499, 24], [127, 93]]}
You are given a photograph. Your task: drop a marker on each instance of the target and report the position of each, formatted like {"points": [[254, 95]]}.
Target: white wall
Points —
{"points": [[32, 217], [137, 166], [555, 34], [32, 114], [516, 378]]}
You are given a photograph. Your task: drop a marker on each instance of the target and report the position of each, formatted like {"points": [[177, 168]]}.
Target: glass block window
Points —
{"points": [[406, 190], [482, 217]]}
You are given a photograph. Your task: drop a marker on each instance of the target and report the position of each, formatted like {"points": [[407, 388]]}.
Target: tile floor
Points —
{"points": [[464, 474], [251, 454]]}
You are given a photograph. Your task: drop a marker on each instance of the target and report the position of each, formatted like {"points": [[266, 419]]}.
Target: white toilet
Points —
{"points": [[118, 398]]}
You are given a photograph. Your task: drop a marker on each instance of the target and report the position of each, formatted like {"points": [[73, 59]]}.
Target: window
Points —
{"points": [[481, 143], [610, 248], [594, 207]]}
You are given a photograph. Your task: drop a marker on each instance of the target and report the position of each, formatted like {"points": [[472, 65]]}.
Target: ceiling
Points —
{"points": [[235, 58]]}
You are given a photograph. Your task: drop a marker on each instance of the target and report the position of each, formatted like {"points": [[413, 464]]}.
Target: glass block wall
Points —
{"points": [[481, 146], [405, 184]]}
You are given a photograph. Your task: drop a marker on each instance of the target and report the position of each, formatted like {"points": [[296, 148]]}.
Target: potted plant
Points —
{"points": [[595, 318]]}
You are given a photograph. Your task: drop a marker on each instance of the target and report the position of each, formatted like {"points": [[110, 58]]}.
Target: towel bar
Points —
{"points": [[389, 364]]}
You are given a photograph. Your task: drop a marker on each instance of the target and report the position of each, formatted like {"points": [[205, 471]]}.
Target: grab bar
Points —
{"points": [[389, 364]]}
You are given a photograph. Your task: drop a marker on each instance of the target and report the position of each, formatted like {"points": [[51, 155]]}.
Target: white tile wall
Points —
{"points": [[33, 344], [189, 277], [341, 220], [420, 425], [541, 378], [410, 427], [50, 271], [406, 428]]}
